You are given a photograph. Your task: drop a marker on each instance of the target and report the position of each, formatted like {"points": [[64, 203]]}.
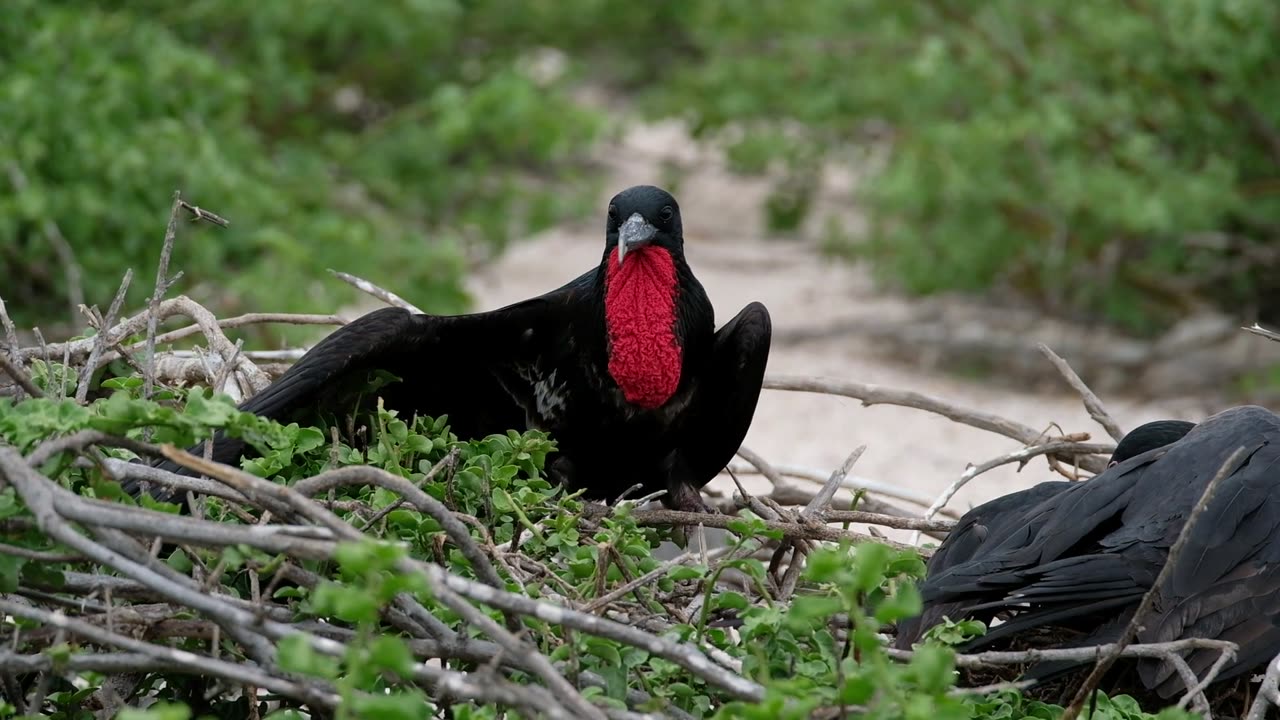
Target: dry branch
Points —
{"points": [[1091, 402], [878, 395]]}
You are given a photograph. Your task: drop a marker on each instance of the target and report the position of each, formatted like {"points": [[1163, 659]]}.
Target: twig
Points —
{"points": [[538, 663], [681, 654], [102, 337], [198, 214], [889, 521], [174, 657], [1196, 690], [1267, 693], [877, 395], [1091, 401], [10, 332], [853, 483], [1260, 331], [822, 500], [168, 308], [1131, 630], [792, 531], [1076, 654], [20, 376], [382, 294], [1021, 455], [162, 286]]}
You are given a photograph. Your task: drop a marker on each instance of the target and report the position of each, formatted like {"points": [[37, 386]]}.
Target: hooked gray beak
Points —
{"points": [[635, 232]]}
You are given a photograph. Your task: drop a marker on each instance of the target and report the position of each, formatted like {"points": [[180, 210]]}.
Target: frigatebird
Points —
{"points": [[995, 520], [622, 366], [1084, 558]]}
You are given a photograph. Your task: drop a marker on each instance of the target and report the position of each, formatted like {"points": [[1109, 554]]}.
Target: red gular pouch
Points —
{"points": [[640, 317]]}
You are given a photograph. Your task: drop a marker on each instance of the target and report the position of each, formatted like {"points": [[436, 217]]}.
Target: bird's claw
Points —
{"points": [[685, 498]]}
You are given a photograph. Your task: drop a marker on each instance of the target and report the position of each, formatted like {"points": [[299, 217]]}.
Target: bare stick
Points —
{"points": [[198, 214], [102, 337], [1196, 690], [889, 521], [1260, 331], [877, 395], [10, 332], [1267, 693], [168, 308], [1091, 401], [822, 500], [162, 287], [853, 483], [1131, 630], [1021, 455], [382, 294], [792, 531], [174, 656], [1076, 654], [19, 376], [538, 663]]}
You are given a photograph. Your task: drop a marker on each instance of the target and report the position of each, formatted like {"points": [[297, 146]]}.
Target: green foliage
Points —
{"points": [[380, 140], [1115, 160], [820, 650]]}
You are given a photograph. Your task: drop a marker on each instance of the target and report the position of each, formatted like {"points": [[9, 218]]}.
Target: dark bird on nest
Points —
{"points": [[1082, 558], [622, 366]]}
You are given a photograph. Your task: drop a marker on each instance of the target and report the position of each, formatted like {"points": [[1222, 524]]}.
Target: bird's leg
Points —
{"points": [[559, 469], [683, 496]]}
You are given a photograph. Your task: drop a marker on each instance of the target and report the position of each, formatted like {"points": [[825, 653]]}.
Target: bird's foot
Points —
{"points": [[686, 498]]}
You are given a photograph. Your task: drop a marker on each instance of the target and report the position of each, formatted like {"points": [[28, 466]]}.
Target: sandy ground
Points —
{"points": [[910, 449]]}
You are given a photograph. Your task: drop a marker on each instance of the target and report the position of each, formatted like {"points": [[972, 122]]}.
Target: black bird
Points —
{"points": [[623, 367], [1085, 557], [994, 520]]}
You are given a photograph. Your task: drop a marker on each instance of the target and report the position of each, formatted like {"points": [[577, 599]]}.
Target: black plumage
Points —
{"points": [[995, 520], [1084, 557], [623, 366]]}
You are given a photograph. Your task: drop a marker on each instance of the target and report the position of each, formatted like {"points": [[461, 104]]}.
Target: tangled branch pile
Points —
{"points": [[413, 574]]}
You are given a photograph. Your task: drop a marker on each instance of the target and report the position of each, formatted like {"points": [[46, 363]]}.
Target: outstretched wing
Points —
{"points": [[725, 400], [477, 368]]}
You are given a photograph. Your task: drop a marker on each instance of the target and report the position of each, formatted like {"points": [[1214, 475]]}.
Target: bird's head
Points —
{"points": [[1148, 437], [642, 216]]}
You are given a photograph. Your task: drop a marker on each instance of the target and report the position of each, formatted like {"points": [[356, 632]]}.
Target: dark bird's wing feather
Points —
{"points": [[1108, 539], [475, 368], [725, 401]]}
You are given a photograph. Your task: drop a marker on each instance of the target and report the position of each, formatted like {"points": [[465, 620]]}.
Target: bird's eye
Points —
{"points": [[613, 214], [666, 213]]}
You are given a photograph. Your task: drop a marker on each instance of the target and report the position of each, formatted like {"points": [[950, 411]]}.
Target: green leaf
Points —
{"points": [[10, 571]]}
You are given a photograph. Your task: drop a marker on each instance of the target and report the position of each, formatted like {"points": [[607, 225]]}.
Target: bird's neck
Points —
{"points": [[640, 318]]}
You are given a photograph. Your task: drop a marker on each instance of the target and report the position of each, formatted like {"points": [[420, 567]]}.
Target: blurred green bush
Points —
{"points": [[1115, 161], [1108, 160], [385, 139]]}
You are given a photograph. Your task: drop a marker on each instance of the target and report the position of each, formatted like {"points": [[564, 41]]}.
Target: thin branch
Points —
{"points": [[822, 501], [174, 657], [791, 531], [1021, 455], [877, 395], [1091, 402], [1260, 331], [1076, 654], [162, 287], [382, 294], [1267, 693], [102, 337], [19, 376]]}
